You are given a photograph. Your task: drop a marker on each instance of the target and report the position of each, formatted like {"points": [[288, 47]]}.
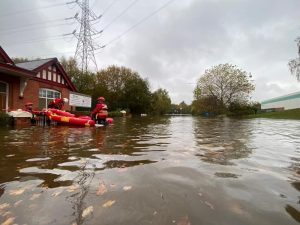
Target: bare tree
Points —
{"points": [[294, 64]]}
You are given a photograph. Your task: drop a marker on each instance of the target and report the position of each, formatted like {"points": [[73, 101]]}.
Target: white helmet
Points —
{"points": [[66, 100]]}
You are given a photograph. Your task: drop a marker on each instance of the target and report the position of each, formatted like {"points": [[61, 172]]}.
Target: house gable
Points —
{"points": [[50, 71], [4, 58]]}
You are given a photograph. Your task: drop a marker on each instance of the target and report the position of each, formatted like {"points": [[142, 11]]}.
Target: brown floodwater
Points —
{"points": [[170, 170]]}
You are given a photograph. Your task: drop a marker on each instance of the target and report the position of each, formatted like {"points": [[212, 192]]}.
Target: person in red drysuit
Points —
{"points": [[57, 103], [28, 108], [99, 114]]}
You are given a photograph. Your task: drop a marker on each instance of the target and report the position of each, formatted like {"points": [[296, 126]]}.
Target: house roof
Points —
{"points": [[5, 57], [34, 64], [40, 64]]}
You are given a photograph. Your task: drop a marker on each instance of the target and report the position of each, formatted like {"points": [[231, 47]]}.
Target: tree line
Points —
{"points": [[222, 89], [123, 88]]}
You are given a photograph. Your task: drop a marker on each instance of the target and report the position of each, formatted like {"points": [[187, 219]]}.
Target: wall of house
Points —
{"points": [[31, 93], [13, 90]]}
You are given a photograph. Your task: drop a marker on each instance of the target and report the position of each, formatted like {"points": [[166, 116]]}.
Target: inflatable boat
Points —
{"points": [[69, 118]]}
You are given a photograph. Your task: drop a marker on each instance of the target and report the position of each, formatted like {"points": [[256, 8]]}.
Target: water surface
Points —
{"points": [[170, 170]]}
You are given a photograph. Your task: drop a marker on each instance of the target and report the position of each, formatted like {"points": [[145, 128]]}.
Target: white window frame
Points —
{"points": [[47, 98]]}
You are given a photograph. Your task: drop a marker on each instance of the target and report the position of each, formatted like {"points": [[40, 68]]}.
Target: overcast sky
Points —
{"points": [[173, 48]]}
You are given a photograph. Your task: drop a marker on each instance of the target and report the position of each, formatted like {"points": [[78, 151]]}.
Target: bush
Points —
{"points": [[5, 119], [242, 109]]}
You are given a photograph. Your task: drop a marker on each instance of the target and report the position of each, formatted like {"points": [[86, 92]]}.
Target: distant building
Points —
{"points": [[291, 101], [37, 81]]}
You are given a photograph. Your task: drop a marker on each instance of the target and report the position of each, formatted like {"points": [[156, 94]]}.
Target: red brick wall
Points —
{"points": [[13, 88], [31, 92]]}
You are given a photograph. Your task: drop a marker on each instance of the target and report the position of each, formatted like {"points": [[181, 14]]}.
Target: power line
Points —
{"points": [[144, 19], [35, 28], [34, 41], [121, 14], [31, 24], [108, 7], [34, 9]]}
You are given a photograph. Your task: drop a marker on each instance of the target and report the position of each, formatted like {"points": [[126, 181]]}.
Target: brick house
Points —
{"points": [[37, 81]]}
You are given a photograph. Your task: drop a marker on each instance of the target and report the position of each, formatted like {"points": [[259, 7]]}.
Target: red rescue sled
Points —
{"points": [[69, 118]]}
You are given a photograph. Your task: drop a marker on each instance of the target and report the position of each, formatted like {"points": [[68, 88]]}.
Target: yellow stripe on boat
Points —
{"points": [[65, 119]]}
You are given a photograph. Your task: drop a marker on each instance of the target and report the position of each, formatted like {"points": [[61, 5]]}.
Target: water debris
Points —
{"points": [[17, 203], [87, 211], [37, 159], [211, 206], [154, 213], [121, 170], [101, 189], [9, 221], [16, 192], [34, 196], [200, 194], [109, 203], [8, 213], [57, 193], [112, 185], [184, 221], [73, 188], [127, 188], [4, 206], [12, 155]]}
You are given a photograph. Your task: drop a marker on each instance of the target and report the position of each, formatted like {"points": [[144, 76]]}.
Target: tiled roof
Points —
{"points": [[31, 65]]}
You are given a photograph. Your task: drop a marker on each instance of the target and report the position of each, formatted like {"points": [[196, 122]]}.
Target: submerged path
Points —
{"points": [[169, 170]]}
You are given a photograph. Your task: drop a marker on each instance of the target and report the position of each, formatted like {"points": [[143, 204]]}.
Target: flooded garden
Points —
{"points": [[171, 170]]}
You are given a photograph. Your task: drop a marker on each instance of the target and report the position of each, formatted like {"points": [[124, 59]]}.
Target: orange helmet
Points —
{"points": [[101, 99]]}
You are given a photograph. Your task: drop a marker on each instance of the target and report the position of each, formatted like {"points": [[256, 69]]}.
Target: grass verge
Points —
{"points": [[287, 114]]}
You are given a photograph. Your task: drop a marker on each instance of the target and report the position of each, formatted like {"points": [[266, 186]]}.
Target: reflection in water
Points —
{"points": [[83, 180], [222, 140], [293, 212], [169, 170]]}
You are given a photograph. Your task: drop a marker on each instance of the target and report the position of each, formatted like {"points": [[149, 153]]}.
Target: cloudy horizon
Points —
{"points": [[174, 47]]}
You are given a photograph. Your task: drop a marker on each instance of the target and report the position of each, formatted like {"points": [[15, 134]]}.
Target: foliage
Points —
{"points": [[21, 59], [83, 82], [181, 108], [241, 109], [205, 105], [124, 88], [160, 102], [5, 119], [221, 86]]}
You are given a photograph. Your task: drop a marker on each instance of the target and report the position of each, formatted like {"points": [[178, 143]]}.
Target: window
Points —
{"points": [[49, 75], [3, 96], [46, 96]]}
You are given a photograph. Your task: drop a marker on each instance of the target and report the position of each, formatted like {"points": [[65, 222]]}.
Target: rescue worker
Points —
{"points": [[99, 114], [28, 108], [58, 103]]}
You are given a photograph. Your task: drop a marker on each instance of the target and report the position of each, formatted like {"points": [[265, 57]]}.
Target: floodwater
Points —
{"points": [[140, 171]]}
